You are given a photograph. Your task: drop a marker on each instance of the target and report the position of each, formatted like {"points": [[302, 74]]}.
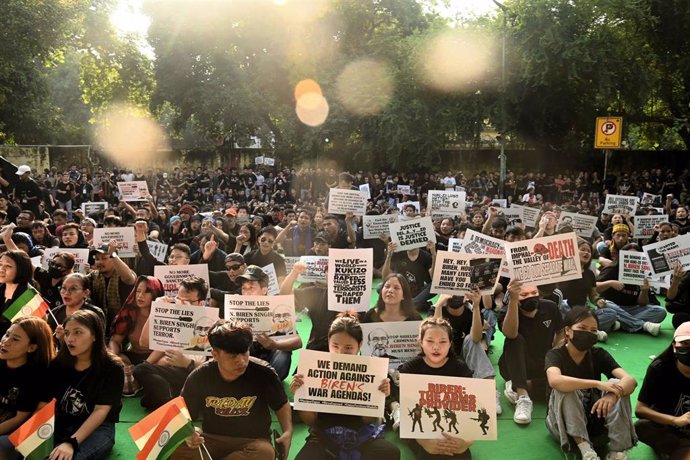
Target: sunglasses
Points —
{"points": [[233, 267], [266, 240]]}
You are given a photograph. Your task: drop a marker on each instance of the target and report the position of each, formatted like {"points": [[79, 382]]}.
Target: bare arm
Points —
{"points": [[511, 320]]}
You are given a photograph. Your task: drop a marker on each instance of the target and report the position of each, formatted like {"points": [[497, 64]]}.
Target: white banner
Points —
{"points": [[94, 207], [461, 407], [123, 235], [158, 250], [583, 225], [341, 384], [343, 201], [317, 267], [620, 204], [349, 279], [514, 215], [415, 233], [364, 188], [181, 327], [404, 189], [446, 203], [133, 191], [458, 273], [375, 226], [273, 286], [634, 267], [455, 244], [81, 257], [273, 316], [545, 260], [395, 340], [644, 225], [529, 215], [171, 275], [664, 255]]}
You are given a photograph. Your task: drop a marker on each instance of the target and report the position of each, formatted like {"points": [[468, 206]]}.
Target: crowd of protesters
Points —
{"points": [[93, 348]]}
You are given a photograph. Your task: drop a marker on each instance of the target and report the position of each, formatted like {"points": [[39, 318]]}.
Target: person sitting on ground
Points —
{"points": [[678, 297], [417, 267]]}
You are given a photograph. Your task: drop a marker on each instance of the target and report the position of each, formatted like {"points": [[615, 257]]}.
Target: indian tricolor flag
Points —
{"points": [[142, 431], [171, 431], [34, 439], [30, 303]]}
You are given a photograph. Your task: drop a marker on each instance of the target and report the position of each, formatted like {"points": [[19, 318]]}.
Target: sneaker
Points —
{"points": [[523, 410], [651, 328], [617, 456], [602, 336], [616, 325], [510, 395], [499, 409], [395, 416], [590, 454]]}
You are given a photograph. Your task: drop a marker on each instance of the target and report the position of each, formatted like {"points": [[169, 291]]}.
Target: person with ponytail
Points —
{"points": [[86, 381], [26, 350], [329, 434], [581, 405]]}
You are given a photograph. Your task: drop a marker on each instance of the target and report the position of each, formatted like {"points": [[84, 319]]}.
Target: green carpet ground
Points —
{"points": [[632, 351]]}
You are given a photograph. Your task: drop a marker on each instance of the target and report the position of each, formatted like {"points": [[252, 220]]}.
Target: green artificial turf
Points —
{"points": [[632, 351]]}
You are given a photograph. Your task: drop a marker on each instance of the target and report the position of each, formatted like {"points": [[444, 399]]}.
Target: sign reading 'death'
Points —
{"points": [[273, 316], [634, 268], [665, 255], [458, 273], [349, 279], [181, 327], [341, 201], [544, 260], [341, 384], [448, 203], [375, 226], [431, 405], [171, 275], [123, 235], [620, 204], [415, 233], [395, 340]]}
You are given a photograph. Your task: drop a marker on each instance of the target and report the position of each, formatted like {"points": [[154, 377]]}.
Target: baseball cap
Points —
{"points": [[231, 212], [682, 333], [234, 257], [321, 237], [254, 273], [102, 249], [23, 169]]}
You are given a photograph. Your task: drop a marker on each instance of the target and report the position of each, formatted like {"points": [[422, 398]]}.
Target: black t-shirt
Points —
{"points": [[21, 388], [63, 191], [461, 326], [666, 390], [452, 368], [239, 408], [79, 392], [372, 316], [415, 272], [628, 296], [577, 291], [257, 258], [538, 332], [595, 363], [50, 293]]}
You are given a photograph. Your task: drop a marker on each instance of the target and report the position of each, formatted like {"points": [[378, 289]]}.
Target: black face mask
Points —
{"points": [[455, 302], [583, 340], [683, 355], [529, 304], [55, 272]]}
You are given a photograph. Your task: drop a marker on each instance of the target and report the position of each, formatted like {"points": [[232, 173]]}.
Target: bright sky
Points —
{"points": [[128, 17]]}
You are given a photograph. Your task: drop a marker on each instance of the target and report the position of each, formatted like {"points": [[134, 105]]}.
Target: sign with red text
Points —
{"points": [[349, 279], [317, 267], [133, 191], [645, 226], [81, 258], [634, 268], [272, 316], [545, 260], [395, 340], [181, 327], [665, 255], [431, 405], [341, 384], [171, 275]]}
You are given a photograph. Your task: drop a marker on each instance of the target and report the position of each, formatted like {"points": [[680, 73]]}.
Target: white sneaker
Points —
{"points": [[602, 336], [523, 410], [590, 454], [395, 415], [510, 395], [616, 325], [651, 328], [499, 409], [617, 456]]}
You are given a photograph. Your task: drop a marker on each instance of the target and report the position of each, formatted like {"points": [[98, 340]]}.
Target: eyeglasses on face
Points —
{"points": [[71, 290], [233, 267]]}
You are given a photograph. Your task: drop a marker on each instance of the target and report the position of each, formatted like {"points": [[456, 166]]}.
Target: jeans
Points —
{"points": [[476, 359], [7, 451], [515, 364], [159, 384], [631, 317], [606, 316], [98, 444], [279, 360]]}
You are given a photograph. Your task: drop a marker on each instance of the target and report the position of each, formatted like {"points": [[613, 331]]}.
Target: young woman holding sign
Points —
{"points": [[331, 433]]}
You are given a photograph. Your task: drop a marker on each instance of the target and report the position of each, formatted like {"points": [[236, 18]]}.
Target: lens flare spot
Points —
{"points": [[365, 87], [306, 86], [312, 109]]}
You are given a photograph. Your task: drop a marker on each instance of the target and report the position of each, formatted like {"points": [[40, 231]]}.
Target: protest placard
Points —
{"points": [[620, 204], [448, 203], [401, 207], [465, 406], [634, 267], [583, 225], [36, 261], [133, 191], [349, 279], [290, 262], [529, 215], [81, 258], [342, 201], [544, 260], [644, 225], [273, 285], [123, 235], [158, 250], [341, 384], [375, 226], [415, 233], [181, 327], [455, 244], [259, 160], [269, 161], [650, 199], [664, 255], [317, 266], [94, 207], [479, 243], [404, 189], [395, 340], [273, 316], [171, 275], [500, 202], [364, 188], [457, 273]]}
